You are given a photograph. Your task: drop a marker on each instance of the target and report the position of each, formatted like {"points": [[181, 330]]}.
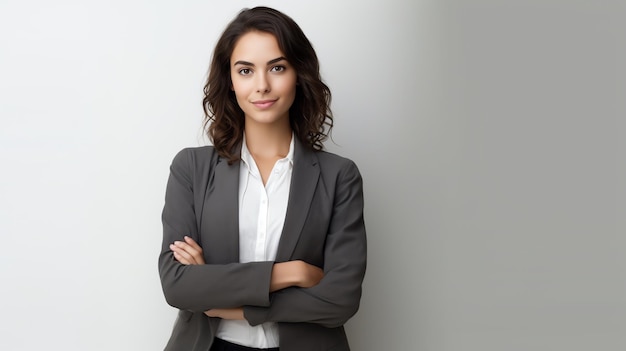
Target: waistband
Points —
{"points": [[223, 345]]}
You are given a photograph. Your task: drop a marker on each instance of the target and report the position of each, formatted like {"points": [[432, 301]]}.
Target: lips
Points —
{"points": [[263, 104]]}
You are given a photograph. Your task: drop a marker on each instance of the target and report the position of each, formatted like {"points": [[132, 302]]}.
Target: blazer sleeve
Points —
{"points": [[202, 287], [336, 298]]}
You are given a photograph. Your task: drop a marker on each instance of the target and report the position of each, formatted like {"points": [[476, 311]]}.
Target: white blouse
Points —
{"points": [[262, 212]]}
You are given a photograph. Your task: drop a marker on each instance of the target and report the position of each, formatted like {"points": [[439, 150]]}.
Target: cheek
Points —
{"points": [[234, 85], [240, 89], [237, 82], [240, 96], [288, 86]]}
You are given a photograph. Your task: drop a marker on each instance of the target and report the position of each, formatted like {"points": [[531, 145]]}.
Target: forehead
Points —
{"points": [[256, 47]]}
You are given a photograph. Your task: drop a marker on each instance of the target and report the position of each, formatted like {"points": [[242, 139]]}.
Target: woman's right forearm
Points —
{"points": [[208, 286]]}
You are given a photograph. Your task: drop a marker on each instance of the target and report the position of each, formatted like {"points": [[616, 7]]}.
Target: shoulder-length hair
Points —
{"points": [[310, 115]]}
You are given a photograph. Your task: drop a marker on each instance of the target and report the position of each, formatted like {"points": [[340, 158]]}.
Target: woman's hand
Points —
{"points": [[187, 252], [226, 313], [295, 273]]}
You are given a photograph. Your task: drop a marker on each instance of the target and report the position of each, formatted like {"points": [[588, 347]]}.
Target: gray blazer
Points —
{"points": [[323, 226]]}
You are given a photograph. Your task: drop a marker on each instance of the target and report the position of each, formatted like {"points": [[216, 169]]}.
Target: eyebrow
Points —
{"points": [[246, 63]]}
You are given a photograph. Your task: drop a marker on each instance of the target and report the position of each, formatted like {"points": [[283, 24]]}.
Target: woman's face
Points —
{"points": [[263, 81]]}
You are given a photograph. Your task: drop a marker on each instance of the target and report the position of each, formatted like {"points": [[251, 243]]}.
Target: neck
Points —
{"points": [[268, 141]]}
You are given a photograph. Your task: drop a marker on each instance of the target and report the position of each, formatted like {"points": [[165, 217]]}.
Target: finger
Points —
{"points": [[182, 253], [181, 259], [193, 243], [184, 246], [196, 253]]}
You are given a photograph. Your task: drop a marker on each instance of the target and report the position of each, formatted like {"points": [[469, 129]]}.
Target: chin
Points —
{"points": [[266, 118]]}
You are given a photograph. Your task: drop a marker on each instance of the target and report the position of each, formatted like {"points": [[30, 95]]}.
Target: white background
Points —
{"points": [[490, 135]]}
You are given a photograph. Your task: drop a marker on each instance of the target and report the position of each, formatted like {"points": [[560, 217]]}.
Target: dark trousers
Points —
{"points": [[223, 345]]}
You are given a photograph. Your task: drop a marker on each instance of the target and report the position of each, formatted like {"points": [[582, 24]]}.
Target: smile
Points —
{"points": [[263, 104]]}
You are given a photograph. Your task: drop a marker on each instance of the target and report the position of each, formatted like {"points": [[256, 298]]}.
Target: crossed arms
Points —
{"points": [[292, 291]]}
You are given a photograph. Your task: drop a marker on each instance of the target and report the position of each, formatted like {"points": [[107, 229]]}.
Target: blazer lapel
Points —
{"points": [[304, 178], [221, 210]]}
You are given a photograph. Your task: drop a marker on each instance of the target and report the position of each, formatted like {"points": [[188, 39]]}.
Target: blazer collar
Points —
{"points": [[221, 213], [304, 179]]}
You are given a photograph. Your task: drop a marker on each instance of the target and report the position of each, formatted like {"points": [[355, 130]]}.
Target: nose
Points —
{"points": [[263, 84]]}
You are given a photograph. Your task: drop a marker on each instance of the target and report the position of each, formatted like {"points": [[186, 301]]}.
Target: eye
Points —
{"points": [[245, 71], [278, 69]]}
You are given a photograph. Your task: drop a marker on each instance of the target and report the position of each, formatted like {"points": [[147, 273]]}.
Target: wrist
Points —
{"points": [[284, 275]]}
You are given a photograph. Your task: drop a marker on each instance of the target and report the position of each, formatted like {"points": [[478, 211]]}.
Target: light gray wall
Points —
{"points": [[490, 135]]}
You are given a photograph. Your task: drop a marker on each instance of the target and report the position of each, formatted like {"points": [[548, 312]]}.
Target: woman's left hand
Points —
{"points": [[187, 252], [226, 313]]}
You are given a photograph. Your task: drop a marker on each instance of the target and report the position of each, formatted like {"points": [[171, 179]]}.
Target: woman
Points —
{"points": [[263, 236]]}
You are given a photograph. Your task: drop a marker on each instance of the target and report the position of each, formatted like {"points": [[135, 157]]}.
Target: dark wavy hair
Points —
{"points": [[310, 115]]}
